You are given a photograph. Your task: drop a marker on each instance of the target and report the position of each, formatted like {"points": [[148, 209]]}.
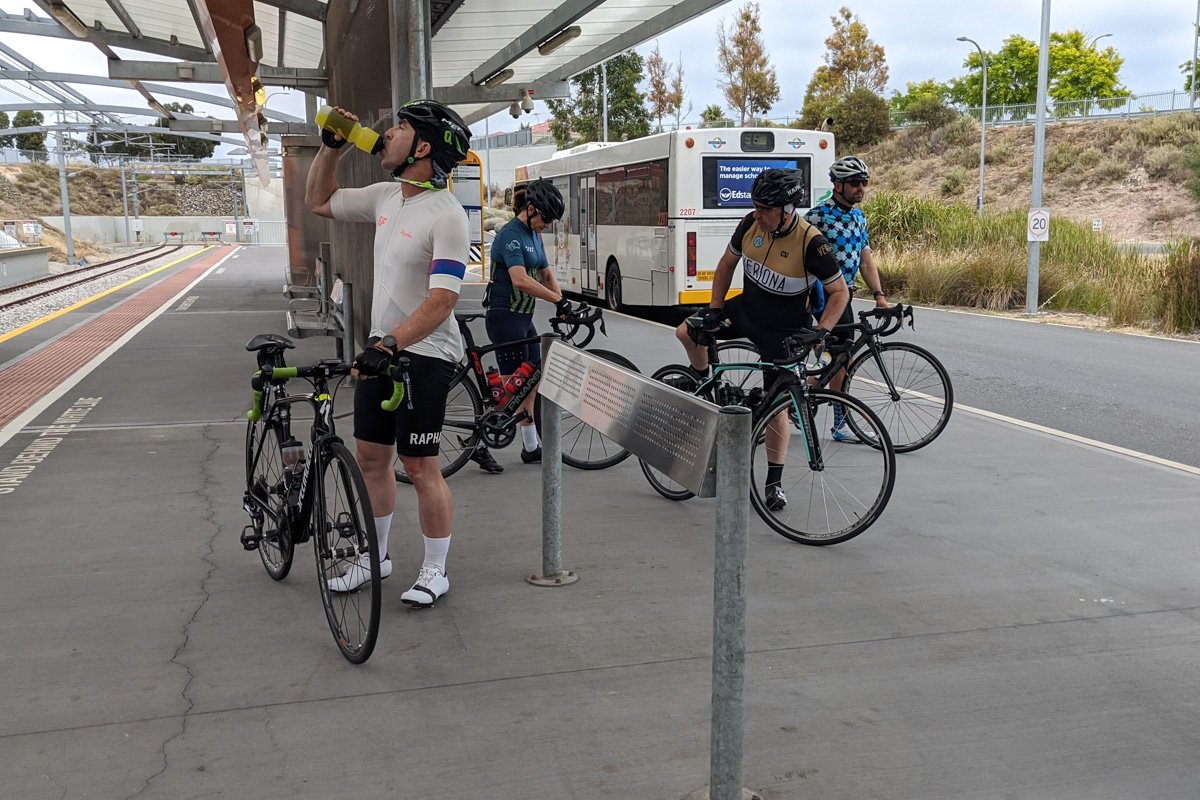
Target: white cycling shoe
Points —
{"points": [[431, 584], [357, 574]]}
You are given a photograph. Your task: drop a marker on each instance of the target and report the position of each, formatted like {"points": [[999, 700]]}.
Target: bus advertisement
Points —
{"points": [[648, 219]]}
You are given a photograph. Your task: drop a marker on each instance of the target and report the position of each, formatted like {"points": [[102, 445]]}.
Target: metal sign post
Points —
{"points": [[551, 434]]}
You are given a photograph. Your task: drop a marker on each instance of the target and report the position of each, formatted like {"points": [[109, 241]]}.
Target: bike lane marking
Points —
{"points": [[62, 365]]}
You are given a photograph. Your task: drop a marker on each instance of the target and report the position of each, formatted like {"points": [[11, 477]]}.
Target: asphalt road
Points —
{"points": [[1137, 392]]}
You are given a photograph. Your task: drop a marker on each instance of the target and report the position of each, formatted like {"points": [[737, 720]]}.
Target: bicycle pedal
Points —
{"points": [[249, 538]]}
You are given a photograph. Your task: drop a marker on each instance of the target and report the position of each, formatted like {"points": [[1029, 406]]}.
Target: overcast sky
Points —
{"points": [[1153, 37]]}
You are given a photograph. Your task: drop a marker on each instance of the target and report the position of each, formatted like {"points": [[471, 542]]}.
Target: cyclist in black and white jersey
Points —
{"points": [[422, 245], [784, 261]]}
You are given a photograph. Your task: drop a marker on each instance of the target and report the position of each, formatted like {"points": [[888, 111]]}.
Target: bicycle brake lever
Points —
{"points": [[602, 329]]}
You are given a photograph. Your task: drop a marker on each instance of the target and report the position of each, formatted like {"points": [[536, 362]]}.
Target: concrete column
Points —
{"points": [[411, 36]]}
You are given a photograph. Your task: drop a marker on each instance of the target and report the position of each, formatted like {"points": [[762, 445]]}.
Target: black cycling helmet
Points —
{"points": [[778, 188], [546, 200], [848, 168], [447, 134]]}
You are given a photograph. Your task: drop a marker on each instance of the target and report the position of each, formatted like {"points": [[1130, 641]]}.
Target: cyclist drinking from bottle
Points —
{"points": [[784, 261], [520, 276], [422, 244]]}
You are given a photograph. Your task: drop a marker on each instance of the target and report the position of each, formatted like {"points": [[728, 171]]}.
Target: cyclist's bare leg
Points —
{"points": [[375, 461], [697, 355], [435, 505], [779, 433]]}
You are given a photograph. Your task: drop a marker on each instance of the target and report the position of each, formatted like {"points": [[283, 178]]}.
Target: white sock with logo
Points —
{"points": [[382, 526], [529, 437], [435, 553]]}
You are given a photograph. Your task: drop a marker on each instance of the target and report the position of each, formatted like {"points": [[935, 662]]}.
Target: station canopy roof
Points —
{"points": [[474, 44]]}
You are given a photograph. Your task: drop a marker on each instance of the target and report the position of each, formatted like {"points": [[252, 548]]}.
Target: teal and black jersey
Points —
{"points": [[846, 230], [515, 246]]}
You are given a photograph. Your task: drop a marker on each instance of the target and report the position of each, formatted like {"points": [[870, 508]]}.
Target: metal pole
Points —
{"points": [[551, 435], [136, 213], [66, 201], [982, 119], [125, 202], [487, 149], [729, 602], [1195, 47], [1039, 153], [237, 217], [604, 94]]}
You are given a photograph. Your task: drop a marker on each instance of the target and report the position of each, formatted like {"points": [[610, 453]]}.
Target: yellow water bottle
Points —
{"points": [[364, 139]]}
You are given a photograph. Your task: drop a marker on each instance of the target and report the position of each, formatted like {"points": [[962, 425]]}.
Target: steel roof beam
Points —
{"points": [[211, 73], [671, 18], [158, 88], [126, 20], [484, 112], [445, 15], [84, 108], [27, 64], [282, 38], [119, 129], [460, 95], [191, 4], [34, 25], [313, 9], [561, 17]]}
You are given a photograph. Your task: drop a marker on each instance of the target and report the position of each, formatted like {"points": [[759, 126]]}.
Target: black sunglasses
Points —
{"points": [[856, 182]]}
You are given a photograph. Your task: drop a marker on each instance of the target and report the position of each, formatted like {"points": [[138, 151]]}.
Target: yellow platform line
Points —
{"points": [[12, 334]]}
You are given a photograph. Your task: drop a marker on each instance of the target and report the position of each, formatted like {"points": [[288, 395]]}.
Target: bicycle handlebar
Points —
{"points": [[891, 319], [580, 317], [268, 375]]}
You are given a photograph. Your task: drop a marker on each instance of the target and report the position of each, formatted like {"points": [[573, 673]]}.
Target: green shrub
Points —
{"points": [[1178, 130], [1182, 293], [1001, 153], [1129, 150], [956, 178], [963, 131], [860, 119], [929, 112], [1061, 158], [1110, 170], [965, 157], [1162, 161], [1090, 157]]}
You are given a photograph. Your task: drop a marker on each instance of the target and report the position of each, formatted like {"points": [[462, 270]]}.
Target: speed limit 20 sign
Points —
{"points": [[1038, 227]]}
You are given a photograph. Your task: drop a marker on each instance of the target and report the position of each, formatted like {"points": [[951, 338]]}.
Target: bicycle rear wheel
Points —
{"points": [[584, 447], [266, 490], [844, 492], [744, 379], [683, 379], [460, 428], [344, 540], [925, 396]]}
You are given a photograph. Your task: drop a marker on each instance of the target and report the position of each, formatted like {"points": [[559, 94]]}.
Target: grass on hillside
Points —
{"points": [[943, 254]]}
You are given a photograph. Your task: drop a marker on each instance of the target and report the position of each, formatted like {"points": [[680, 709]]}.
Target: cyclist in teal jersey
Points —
{"points": [[520, 276]]}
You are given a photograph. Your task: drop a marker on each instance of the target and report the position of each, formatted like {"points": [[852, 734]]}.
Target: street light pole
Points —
{"points": [[982, 119], [1195, 46], [1098, 38], [1039, 153], [66, 200], [604, 91]]}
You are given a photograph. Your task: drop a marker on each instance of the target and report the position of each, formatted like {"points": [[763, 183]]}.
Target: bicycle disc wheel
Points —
{"points": [[268, 494], [845, 493], [683, 379], [344, 540], [925, 401], [584, 447], [460, 428]]}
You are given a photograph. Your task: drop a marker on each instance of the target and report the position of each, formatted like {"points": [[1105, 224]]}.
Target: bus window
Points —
{"points": [[642, 196], [606, 190]]}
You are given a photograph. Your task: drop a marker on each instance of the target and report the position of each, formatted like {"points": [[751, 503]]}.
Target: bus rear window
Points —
{"points": [[727, 181]]}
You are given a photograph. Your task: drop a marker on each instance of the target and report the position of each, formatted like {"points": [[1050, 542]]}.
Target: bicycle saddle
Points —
{"points": [[467, 317], [265, 340]]}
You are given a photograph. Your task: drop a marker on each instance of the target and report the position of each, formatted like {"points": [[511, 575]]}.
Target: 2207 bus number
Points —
{"points": [[687, 212]]}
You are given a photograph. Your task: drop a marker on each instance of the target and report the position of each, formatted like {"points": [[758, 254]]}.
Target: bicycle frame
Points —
{"points": [[474, 362]]}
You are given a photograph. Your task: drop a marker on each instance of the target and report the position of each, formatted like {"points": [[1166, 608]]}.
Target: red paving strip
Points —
{"points": [[32, 378]]}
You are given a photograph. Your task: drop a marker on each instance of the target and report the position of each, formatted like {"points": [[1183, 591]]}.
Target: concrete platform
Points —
{"points": [[1021, 623]]}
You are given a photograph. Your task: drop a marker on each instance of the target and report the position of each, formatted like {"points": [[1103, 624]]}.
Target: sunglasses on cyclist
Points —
{"points": [[763, 209], [856, 182]]}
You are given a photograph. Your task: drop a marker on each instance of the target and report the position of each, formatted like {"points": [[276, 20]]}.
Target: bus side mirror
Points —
{"points": [[508, 196]]}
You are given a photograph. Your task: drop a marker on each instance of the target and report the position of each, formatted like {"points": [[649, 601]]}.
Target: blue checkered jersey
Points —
{"points": [[846, 230]]}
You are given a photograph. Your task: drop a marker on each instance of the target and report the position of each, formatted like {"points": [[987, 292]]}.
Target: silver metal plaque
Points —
{"points": [[669, 429]]}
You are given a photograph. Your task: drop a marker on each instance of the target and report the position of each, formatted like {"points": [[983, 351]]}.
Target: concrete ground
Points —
{"points": [[1022, 622]]}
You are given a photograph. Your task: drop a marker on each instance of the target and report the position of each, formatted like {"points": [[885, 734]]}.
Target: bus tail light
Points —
{"points": [[691, 254]]}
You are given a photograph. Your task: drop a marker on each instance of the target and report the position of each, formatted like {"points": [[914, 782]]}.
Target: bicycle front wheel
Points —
{"points": [[345, 542], [584, 447], [460, 428], [267, 493], [683, 379], [828, 490], [924, 397]]}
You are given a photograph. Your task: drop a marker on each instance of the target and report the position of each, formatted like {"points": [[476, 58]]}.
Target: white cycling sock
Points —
{"points": [[435, 553], [382, 526], [529, 437]]}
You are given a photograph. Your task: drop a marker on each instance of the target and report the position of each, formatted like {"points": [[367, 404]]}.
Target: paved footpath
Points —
{"points": [[1022, 622]]}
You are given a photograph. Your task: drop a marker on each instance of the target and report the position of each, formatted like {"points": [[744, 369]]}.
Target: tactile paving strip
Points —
{"points": [[31, 378]]}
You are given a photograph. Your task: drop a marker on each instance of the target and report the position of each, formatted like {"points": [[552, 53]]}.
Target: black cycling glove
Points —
{"points": [[328, 140], [714, 318], [563, 308], [372, 361]]}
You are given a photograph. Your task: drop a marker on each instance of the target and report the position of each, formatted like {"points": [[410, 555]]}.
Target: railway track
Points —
{"points": [[85, 275]]}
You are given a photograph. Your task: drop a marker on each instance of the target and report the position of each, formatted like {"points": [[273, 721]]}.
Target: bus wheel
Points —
{"points": [[612, 288]]}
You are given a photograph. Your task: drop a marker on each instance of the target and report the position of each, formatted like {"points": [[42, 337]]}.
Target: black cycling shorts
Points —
{"points": [[415, 431], [506, 326], [769, 341]]}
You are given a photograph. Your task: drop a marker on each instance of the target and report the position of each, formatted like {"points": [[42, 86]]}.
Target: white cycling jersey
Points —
{"points": [[421, 243]]}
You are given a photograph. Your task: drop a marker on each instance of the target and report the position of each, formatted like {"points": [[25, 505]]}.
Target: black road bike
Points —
{"points": [[291, 499], [828, 490], [474, 418]]}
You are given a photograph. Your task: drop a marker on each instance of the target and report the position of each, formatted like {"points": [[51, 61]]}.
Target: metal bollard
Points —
{"points": [[551, 436], [729, 603]]}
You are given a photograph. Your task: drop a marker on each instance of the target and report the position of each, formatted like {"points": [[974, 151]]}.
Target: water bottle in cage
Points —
{"points": [[518, 378], [293, 468], [496, 385]]}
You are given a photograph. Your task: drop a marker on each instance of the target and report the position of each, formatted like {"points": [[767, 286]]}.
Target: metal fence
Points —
{"points": [[267, 233], [1134, 105], [496, 140]]}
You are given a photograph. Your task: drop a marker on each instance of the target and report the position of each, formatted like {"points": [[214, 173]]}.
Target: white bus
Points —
{"points": [[647, 220]]}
